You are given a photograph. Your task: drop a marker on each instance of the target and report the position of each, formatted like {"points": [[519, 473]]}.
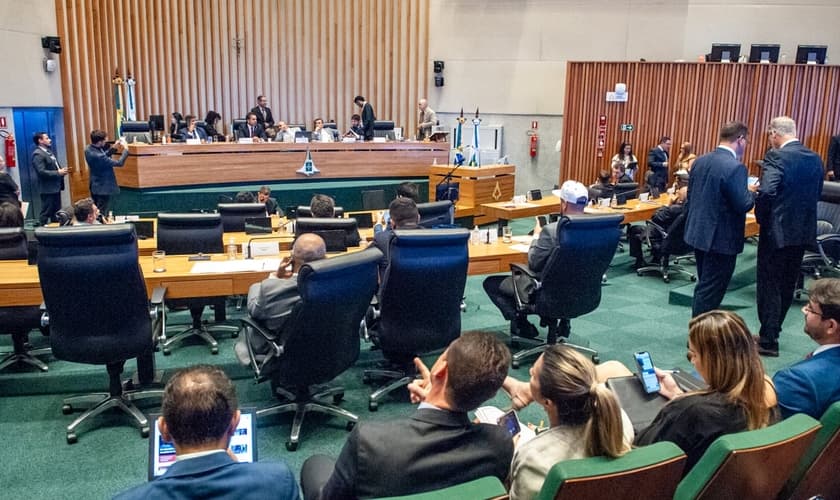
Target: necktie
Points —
{"points": [[250, 131], [263, 113]]}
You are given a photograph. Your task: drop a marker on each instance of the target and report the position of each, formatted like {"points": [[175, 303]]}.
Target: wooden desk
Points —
{"points": [[166, 165], [633, 211], [477, 186]]}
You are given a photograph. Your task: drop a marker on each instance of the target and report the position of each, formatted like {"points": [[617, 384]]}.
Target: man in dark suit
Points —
{"points": [[403, 215], [812, 385], [50, 177], [200, 414], [271, 206], [438, 446], [786, 211], [658, 163], [191, 131], [323, 206], [716, 207], [103, 182], [664, 217], [251, 129], [263, 112], [368, 117], [833, 163]]}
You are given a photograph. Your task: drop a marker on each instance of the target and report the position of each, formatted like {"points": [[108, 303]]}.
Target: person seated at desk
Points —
{"points": [[323, 206], [251, 129], [404, 215], [244, 197], [271, 300], [271, 207], [86, 213], [573, 199], [191, 131], [356, 130], [200, 415], [408, 190], [210, 122], [663, 217], [10, 215], [604, 188], [437, 446], [321, 134], [284, 133]]}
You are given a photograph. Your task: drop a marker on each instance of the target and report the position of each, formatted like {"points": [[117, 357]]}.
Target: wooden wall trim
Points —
{"points": [[310, 57], [689, 102]]}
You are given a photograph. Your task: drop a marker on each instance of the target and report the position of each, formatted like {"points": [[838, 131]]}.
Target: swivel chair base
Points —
{"points": [[666, 270], [201, 331], [305, 402], [23, 355], [397, 379], [558, 333]]}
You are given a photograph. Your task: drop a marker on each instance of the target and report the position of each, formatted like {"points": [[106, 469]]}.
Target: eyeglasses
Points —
{"points": [[806, 309]]}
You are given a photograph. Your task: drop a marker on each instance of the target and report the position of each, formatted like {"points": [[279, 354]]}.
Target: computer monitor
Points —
{"points": [[811, 54], [724, 52], [328, 229], [764, 53], [156, 123]]}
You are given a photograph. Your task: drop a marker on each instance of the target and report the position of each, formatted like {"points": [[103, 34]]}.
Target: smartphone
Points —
{"points": [[510, 422], [650, 383], [541, 220]]}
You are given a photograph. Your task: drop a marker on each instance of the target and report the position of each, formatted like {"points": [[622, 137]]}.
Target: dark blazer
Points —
{"points": [[658, 165], [809, 386], [541, 247], [786, 204], [101, 165], [430, 450], [368, 117], [8, 189], [199, 133], [718, 200], [259, 131], [46, 167], [268, 121], [833, 163], [217, 476], [272, 208]]}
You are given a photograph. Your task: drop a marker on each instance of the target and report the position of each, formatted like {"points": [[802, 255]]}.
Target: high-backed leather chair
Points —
{"points": [[436, 213], [570, 283], [816, 474], [671, 243], [319, 340], [419, 301], [18, 321], [305, 211], [192, 233], [79, 268], [824, 254], [234, 214]]}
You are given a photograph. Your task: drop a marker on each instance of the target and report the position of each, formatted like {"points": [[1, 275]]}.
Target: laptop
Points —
{"points": [[257, 225], [145, 229], [243, 444]]}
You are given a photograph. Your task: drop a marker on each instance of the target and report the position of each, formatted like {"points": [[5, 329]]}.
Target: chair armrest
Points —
{"points": [[157, 295], [251, 327], [517, 268], [831, 238]]}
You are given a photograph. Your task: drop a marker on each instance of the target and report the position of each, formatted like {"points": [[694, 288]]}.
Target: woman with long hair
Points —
{"points": [[210, 125], [625, 160], [725, 355], [585, 419], [686, 158]]}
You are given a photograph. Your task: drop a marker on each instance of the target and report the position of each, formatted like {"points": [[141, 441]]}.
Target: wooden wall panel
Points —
{"points": [[689, 102], [310, 57]]}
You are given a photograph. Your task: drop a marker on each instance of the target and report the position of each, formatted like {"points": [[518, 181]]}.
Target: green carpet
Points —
{"points": [[635, 314]]}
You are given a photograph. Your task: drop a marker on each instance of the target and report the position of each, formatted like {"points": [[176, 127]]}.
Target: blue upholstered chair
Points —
{"points": [[436, 213]]}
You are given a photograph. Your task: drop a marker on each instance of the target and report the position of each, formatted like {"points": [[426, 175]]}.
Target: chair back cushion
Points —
{"points": [[13, 245], [322, 333], [650, 472], [421, 291], [234, 214], [571, 279], [751, 464], [436, 213], [305, 211], [189, 233], [94, 292], [816, 473]]}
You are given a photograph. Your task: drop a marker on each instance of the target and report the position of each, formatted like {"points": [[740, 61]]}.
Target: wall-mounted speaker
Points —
{"points": [[53, 43], [438, 66]]}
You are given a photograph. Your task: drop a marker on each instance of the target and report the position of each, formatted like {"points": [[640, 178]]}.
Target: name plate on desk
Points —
{"points": [[262, 248], [193, 141]]}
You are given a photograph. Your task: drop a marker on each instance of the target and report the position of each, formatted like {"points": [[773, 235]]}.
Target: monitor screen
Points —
{"points": [[811, 54], [724, 52], [156, 122], [764, 53]]}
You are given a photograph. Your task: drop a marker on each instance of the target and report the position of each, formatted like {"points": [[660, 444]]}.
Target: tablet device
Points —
{"points": [[257, 225], [243, 443]]}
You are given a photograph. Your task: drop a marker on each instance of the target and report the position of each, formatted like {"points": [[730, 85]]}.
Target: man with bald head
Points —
{"points": [[271, 300], [427, 122]]}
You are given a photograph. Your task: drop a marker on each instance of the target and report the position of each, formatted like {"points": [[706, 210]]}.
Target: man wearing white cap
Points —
{"points": [[573, 199]]}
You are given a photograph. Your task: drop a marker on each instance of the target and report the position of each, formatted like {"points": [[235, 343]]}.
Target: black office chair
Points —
{"points": [[305, 211], [384, 128], [570, 283], [184, 234], [824, 254], [419, 302], [667, 243], [235, 125], [18, 321], [314, 347], [234, 214], [78, 268], [436, 214], [338, 234]]}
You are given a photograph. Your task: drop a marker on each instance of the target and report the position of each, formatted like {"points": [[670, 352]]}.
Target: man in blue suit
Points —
{"points": [[200, 414], [812, 385], [191, 131], [716, 208], [658, 164], [786, 210], [103, 182]]}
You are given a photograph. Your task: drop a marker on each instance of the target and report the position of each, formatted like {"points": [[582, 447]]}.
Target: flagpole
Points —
{"points": [[117, 82]]}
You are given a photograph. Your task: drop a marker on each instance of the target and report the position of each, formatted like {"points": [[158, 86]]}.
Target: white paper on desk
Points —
{"points": [[235, 266], [520, 247], [491, 415], [525, 238]]}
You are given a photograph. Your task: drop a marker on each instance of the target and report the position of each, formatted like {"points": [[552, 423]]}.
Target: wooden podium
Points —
{"points": [[478, 185]]}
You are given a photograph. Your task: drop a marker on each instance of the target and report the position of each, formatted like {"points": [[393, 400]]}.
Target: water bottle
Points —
{"points": [[475, 236], [231, 249], [613, 201], [110, 217]]}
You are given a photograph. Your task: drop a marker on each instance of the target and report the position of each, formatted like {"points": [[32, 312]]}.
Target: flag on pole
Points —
{"points": [[117, 82], [475, 156], [130, 103]]}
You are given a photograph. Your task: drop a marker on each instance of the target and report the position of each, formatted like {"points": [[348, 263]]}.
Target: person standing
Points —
{"points": [[786, 211], [658, 163], [716, 207], [50, 177], [263, 112], [103, 182], [427, 122], [368, 116]]}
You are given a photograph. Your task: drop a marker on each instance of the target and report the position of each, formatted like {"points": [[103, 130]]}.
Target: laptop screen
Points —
{"points": [[364, 220]]}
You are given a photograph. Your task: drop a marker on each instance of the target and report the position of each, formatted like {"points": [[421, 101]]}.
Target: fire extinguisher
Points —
{"points": [[534, 141], [10, 150]]}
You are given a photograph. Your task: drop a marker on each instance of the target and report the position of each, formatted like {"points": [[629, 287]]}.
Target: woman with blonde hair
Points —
{"points": [[725, 355], [686, 158], [585, 419]]}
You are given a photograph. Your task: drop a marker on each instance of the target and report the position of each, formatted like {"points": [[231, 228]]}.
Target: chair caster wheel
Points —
{"points": [[638, 273], [596, 359], [291, 445], [666, 279], [694, 278], [366, 379], [72, 438], [144, 432], [337, 398], [373, 406], [167, 351], [66, 409], [235, 335], [514, 363], [350, 425], [214, 350]]}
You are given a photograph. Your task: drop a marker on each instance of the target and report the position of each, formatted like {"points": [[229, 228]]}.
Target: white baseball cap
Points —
{"points": [[573, 192]]}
